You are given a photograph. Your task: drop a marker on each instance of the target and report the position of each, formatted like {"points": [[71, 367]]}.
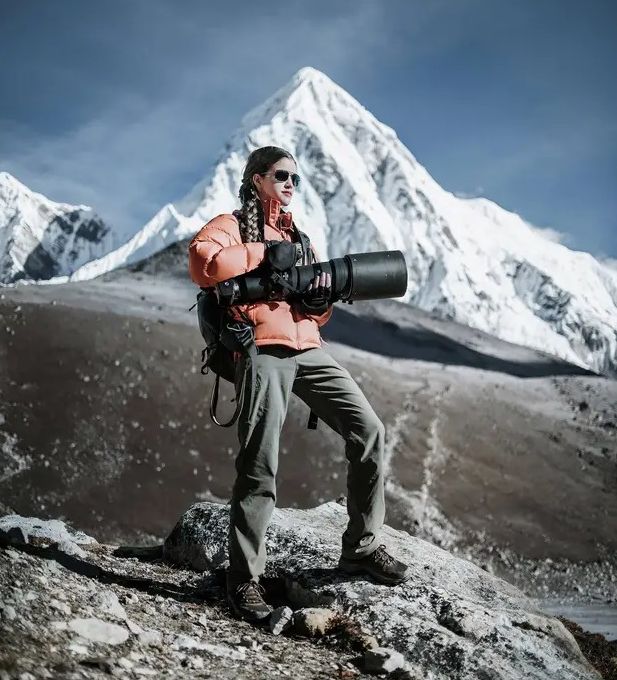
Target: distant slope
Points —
{"points": [[104, 419]]}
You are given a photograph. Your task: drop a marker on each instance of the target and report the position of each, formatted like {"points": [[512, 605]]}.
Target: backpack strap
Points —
{"points": [[305, 242], [251, 353]]}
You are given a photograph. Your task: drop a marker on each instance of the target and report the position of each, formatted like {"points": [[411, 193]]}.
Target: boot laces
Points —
{"points": [[251, 591], [382, 556]]}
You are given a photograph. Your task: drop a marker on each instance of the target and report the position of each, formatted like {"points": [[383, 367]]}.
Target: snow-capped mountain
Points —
{"points": [[469, 259], [40, 239]]}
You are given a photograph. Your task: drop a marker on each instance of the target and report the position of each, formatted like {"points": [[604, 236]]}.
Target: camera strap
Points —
{"points": [[305, 242], [276, 278]]}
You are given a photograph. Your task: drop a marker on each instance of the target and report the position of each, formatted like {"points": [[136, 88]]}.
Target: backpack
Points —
{"points": [[224, 335]]}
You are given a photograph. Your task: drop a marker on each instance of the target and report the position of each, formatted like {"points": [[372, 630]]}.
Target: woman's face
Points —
{"points": [[269, 187]]}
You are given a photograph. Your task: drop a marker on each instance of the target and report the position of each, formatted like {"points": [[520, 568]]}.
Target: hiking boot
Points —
{"points": [[247, 601], [380, 565]]}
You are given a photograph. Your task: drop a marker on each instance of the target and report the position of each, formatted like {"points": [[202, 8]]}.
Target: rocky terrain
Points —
{"points": [[73, 608], [85, 614], [104, 420]]}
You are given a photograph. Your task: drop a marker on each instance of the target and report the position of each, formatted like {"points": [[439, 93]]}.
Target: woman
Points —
{"points": [[290, 359]]}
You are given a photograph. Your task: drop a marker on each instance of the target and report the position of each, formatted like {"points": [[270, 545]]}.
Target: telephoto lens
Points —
{"points": [[359, 276]]}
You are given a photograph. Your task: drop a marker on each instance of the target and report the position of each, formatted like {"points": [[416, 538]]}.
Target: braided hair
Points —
{"points": [[250, 216]]}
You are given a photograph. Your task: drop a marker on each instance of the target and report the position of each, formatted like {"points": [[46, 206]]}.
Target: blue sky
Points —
{"points": [[124, 104]]}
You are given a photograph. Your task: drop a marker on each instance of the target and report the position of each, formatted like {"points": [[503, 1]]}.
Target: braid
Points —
{"points": [[251, 214]]}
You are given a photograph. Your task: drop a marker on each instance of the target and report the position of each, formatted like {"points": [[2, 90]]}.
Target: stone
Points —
{"points": [[50, 531], [186, 642], [382, 660], [225, 652], [108, 603], [313, 621], [99, 631], [248, 642], [129, 598], [280, 620], [135, 628], [62, 607], [8, 612], [151, 638], [197, 662]]}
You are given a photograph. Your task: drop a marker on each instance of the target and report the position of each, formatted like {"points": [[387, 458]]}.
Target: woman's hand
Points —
{"points": [[281, 255], [320, 287], [316, 298]]}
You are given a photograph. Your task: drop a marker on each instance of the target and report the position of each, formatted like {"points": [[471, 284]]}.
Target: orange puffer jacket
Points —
{"points": [[217, 253]]}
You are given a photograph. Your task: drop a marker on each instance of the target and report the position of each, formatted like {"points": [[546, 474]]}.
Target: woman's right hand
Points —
{"points": [[281, 255]]}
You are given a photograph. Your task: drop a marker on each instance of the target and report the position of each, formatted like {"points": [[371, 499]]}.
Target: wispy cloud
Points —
{"points": [[610, 262], [551, 234]]}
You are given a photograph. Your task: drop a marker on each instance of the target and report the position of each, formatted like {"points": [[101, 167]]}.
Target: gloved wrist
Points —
{"points": [[315, 306], [316, 300]]}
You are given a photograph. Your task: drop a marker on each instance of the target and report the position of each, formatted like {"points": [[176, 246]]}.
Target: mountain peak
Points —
{"points": [[468, 260], [308, 96], [10, 181], [308, 74]]}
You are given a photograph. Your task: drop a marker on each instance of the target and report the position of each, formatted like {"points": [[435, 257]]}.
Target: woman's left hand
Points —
{"points": [[316, 298], [319, 288]]}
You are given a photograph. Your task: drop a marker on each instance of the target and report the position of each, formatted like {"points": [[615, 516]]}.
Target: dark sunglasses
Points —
{"points": [[283, 175]]}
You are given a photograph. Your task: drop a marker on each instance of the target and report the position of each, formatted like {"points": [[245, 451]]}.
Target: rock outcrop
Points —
{"points": [[73, 606], [451, 620]]}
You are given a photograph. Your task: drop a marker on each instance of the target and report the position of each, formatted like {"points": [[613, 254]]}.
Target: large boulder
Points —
{"points": [[450, 620]]}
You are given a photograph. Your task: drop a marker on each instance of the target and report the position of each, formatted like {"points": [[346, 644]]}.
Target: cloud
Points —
{"points": [[609, 262], [550, 234], [478, 192]]}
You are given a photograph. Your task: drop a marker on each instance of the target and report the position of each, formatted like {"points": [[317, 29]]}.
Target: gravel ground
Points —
{"points": [[158, 627]]}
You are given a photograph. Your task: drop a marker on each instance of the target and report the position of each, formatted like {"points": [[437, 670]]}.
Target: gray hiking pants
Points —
{"points": [[327, 388]]}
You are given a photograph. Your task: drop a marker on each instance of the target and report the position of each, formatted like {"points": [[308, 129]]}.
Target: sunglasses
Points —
{"points": [[283, 175]]}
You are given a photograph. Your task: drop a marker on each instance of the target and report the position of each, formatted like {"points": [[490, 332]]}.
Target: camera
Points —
{"points": [[359, 276]]}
